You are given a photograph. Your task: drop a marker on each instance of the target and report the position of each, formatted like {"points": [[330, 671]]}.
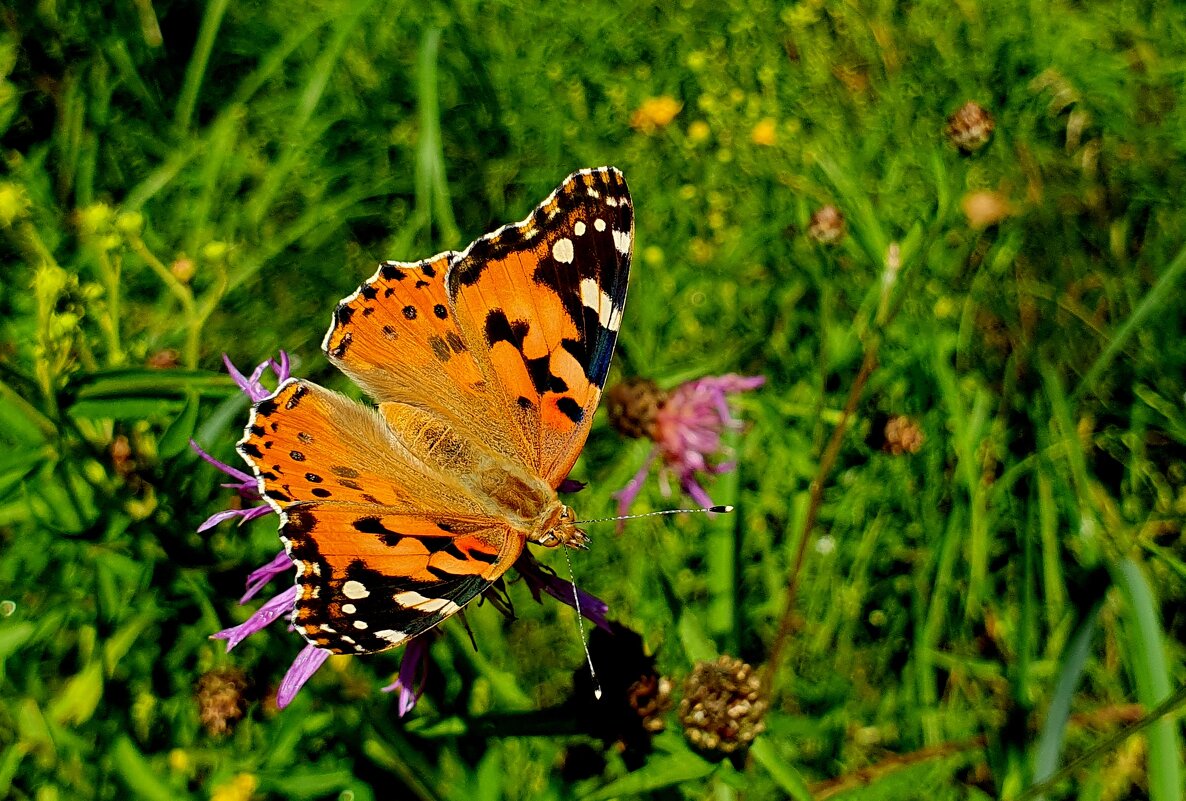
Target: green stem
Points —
{"points": [[196, 70]]}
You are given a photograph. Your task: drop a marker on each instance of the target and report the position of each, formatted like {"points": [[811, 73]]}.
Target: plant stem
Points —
{"points": [[816, 494]]}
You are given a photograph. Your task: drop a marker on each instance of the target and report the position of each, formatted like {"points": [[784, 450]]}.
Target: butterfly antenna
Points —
{"points": [[576, 596], [710, 510]]}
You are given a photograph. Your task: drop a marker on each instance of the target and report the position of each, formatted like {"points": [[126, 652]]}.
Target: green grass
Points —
{"points": [[183, 180]]}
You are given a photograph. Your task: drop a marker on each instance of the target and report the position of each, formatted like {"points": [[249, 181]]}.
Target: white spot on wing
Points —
{"points": [[562, 251], [579, 228], [592, 297], [592, 192], [615, 319], [622, 242], [610, 200], [599, 224], [414, 600], [354, 590], [360, 624], [349, 609], [393, 637]]}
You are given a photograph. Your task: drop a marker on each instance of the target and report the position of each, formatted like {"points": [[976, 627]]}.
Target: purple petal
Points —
{"points": [[226, 468], [239, 378], [281, 368], [413, 669], [540, 578], [244, 515], [569, 485], [627, 494], [697, 492], [267, 613], [303, 668], [216, 518], [260, 577]]}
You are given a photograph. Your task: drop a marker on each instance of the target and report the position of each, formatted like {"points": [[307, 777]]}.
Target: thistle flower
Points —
{"points": [[686, 426], [413, 667]]}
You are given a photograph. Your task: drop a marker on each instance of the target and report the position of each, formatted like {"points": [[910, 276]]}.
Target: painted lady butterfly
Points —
{"points": [[487, 366]]}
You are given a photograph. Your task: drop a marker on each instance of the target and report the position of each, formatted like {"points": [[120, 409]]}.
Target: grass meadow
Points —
{"points": [[956, 567]]}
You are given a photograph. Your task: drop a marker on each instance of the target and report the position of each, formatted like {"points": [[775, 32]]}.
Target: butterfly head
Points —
{"points": [[559, 527]]}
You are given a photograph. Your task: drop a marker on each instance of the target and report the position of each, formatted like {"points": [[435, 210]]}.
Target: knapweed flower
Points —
{"points": [[413, 667], [686, 425]]}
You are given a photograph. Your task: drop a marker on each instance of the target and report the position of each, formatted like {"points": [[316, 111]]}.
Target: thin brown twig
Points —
{"points": [[816, 495]]}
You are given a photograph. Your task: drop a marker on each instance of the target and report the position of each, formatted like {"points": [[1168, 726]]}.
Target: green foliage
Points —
{"points": [[183, 180]]}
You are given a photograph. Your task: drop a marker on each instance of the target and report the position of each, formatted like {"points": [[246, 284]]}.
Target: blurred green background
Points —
{"points": [[993, 574]]}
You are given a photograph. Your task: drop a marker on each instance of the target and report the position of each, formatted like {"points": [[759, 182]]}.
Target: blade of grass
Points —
{"points": [[1070, 671], [1167, 287], [1148, 663], [195, 71]]}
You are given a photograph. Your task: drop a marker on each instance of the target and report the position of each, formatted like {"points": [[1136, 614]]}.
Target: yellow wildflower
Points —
{"points": [[763, 133], [655, 113]]}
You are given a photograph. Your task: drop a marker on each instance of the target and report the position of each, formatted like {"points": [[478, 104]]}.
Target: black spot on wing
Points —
{"points": [[571, 409]]}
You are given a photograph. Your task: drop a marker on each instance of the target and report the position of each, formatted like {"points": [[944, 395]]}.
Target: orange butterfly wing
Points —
{"points": [[371, 579], [540, 302], [378, 561]]}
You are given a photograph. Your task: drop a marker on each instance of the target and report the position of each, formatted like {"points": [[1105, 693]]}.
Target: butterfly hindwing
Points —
{"points": [[369, 579], [540, 303]]}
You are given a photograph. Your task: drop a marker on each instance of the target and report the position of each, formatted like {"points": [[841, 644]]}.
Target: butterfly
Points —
{"points": [[487, 366]]}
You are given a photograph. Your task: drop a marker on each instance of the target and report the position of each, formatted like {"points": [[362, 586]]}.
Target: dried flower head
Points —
{"points": [[634, 697], [723, 706], [970, 127], [826, 226], [902, 435], [221, 702], [634, 407], [650, 698]]}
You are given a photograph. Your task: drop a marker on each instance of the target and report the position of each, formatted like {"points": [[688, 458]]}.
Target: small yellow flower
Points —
{"points": [[655, 113], [94, 219], [178, 758], [214, 251], [240, 788], [130, 222], [763, 133], [698, 132], [14, 203]]}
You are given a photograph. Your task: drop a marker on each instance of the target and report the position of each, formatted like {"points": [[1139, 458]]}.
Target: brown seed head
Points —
{"points": [[650, 698], [723, 706], [634, 406], [969, 128], [902, 435], [220, 699], [826, 226]]}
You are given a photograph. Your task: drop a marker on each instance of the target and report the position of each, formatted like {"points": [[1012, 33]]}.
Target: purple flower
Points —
{"points": [[687, 428], [413, 670], [245, 485]]}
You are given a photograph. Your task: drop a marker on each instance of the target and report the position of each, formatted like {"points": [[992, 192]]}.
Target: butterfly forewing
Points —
{"points": [[544, 298]]}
